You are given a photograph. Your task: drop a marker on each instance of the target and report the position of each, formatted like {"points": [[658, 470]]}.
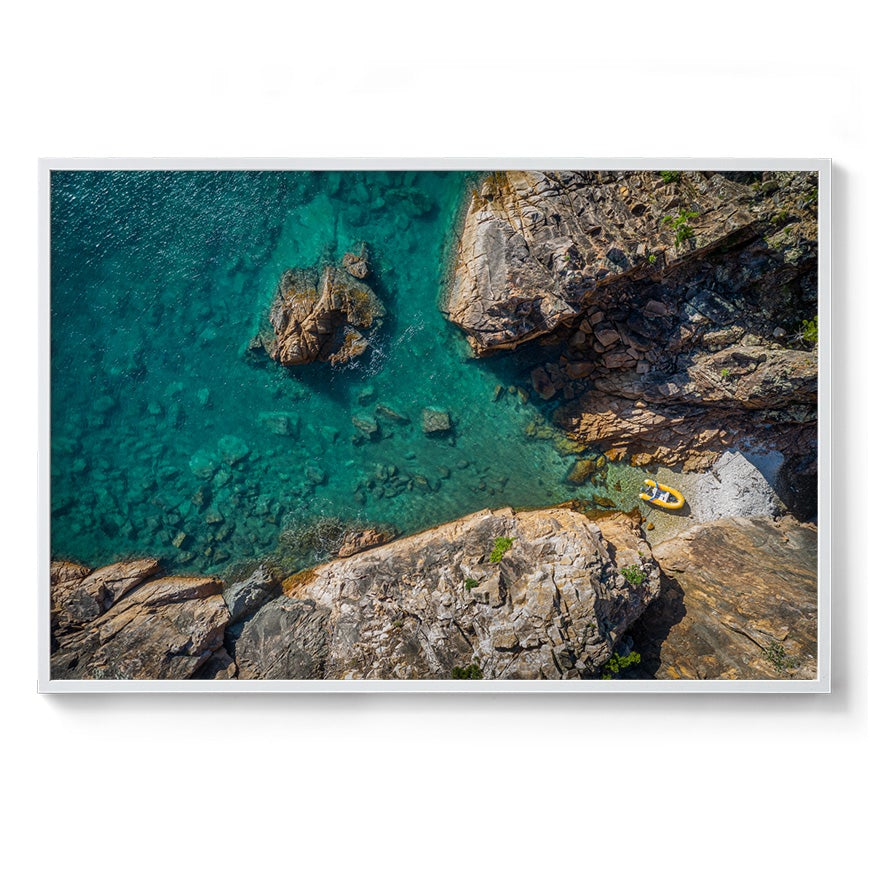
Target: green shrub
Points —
{"points": [[810, 330], [470, 583], [652, 258], [683, 230], [617, 663], [776, 655], [683, 234], [669, 176], [472, 672], [634, 574], [502, 545], [726, 374]]}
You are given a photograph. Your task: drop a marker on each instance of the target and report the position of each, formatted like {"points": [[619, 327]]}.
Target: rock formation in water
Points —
{"points": [[553, 606], [676, 300], [328, 315], [739, 601]]}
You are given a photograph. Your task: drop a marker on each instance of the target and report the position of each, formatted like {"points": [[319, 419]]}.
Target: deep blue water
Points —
{"points": [[159, 281]]}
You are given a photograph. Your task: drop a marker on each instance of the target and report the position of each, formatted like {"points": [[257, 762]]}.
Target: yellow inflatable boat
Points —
{"points": [[661, 495]]}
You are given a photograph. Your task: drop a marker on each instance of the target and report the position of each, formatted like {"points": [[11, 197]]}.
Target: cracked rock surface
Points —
{"points": [[739, 601], [554, 607]]}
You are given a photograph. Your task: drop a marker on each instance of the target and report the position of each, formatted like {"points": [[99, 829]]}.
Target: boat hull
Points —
{"points": [[675, 505]]}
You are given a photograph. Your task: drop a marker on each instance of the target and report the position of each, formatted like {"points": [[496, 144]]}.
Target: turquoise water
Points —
{"points": [[168, 441]]}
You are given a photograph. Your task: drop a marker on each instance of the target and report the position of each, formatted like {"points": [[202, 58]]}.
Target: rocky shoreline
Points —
{"points": [[541, 594], [546, 594], [676, 306], [674, 311]]}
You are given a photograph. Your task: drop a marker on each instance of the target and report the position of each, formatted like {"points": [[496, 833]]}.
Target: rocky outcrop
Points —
{"points": [[357, 540], [247, 595], [552, 606], [558, 244], [676, 299], [79, 595], [739, 601], [689, 416], [328, 316], [119, 622], [537, 248], [545, 594]]}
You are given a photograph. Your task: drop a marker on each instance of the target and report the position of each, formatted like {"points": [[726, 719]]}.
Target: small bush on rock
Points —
{"points": [[502, 545], [472, 672], [617, 663], [634, 574]]}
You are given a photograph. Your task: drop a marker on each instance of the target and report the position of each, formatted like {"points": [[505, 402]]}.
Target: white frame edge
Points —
{"points": [[822, 684]]}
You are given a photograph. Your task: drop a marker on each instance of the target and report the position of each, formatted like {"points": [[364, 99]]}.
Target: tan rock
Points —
{"points": [[578, 370], [739, 602], [411, 609], [79, 596], [606, 336], [357, 540], [356, 264], [542, 384], [166, 628], [326, 316]]}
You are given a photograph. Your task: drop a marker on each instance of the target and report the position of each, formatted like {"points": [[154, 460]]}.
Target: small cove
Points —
{"points": [[167, 441]]}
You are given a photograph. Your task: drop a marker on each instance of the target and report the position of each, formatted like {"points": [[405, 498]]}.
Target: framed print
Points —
{"points": [[527, 425]]}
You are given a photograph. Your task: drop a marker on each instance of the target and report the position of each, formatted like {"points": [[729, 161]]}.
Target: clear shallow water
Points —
{"points": [[159, 281]]}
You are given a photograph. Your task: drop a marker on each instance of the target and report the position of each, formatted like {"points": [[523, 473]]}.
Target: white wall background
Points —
{"points": [[431, 781]]}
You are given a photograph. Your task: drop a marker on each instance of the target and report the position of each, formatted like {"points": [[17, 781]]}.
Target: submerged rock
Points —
{"points": [[582, 470], [369, 426], [232, 449], [552, 607], [436, 420], [328, 316], [203, 464], [392, 414], [280, 423]]}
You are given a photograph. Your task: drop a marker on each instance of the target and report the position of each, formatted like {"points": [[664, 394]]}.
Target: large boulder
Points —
{"points": [[79, 595], [679, 302], [328, 316], [157, 629], [537, 246], [739, 601], [245, 596], [549, 603]]}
